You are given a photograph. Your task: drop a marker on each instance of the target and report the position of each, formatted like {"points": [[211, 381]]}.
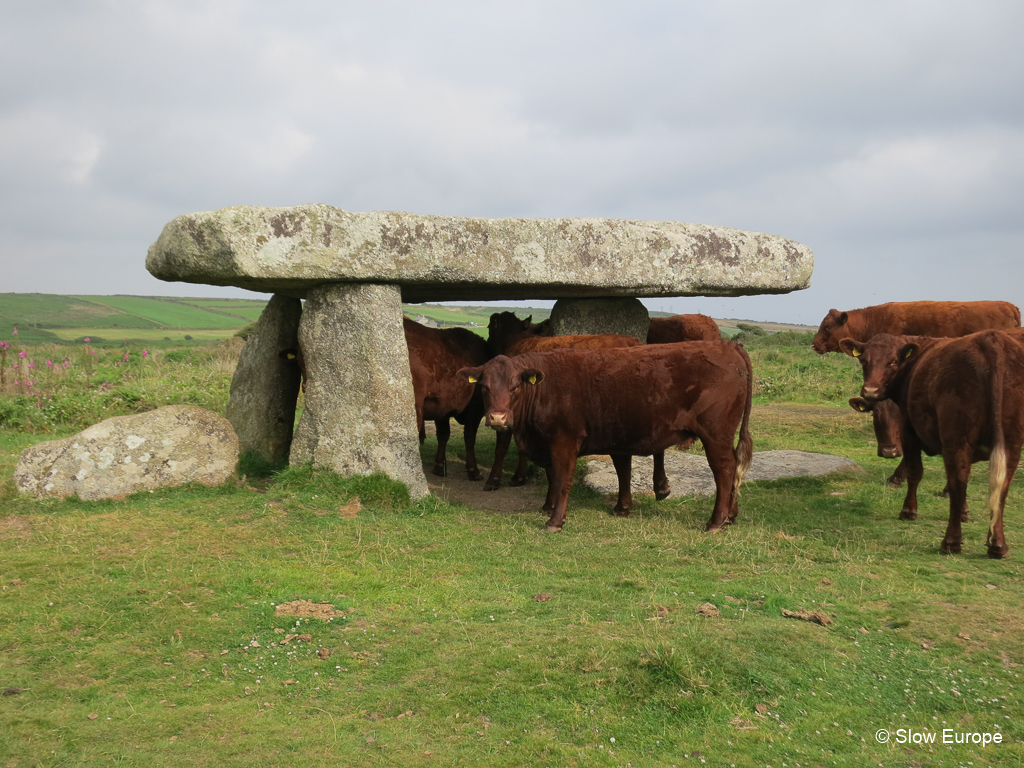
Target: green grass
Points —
{"points": [[471, 637], [171, 313]]}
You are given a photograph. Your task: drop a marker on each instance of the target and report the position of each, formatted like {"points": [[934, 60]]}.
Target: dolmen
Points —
{"points": [[353, 271]]}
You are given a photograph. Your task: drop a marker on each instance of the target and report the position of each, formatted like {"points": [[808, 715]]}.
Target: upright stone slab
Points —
{"points": [[265, 388], [360, 416], [610, 315]]}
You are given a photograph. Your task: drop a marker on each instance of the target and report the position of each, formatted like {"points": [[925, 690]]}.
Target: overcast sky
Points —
{"points": [[887, 136]]}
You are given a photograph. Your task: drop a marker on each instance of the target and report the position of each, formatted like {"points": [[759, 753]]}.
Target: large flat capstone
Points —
{"points": [[438, 258]]}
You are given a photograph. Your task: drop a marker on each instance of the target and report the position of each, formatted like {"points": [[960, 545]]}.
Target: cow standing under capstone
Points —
{"points": [[949, 319], [642, 400], [962, 398], [671, 330], [543, 344]]}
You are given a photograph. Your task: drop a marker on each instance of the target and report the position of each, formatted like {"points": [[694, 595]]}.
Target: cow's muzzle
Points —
{"points": [[498, 421]]}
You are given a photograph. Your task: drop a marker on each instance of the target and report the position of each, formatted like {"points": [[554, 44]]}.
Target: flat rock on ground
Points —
{"points": [[690, 475], [165, 447]]}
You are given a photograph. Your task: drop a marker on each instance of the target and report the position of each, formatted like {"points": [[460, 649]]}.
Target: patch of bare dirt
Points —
{"points": [[15, 526], [456, 487], [816, 617], [307, 609]]}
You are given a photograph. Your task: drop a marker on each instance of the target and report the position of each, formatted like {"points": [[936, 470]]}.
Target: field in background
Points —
{"points": [[164, 321]]}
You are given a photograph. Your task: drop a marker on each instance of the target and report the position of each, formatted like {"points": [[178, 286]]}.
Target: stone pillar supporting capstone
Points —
{"points": [[360, 415], [265, 388], [604, 315]]}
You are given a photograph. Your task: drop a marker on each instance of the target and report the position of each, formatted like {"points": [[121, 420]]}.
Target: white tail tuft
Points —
{"points": [[996, 480]]}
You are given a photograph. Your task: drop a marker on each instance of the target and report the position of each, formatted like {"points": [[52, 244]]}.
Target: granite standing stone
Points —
{"points": [[265, 388], [170, 446], [610, 315], [359, 416]]}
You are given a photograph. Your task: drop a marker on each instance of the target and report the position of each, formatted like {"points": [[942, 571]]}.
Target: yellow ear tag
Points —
{"points": [[908, 353], [473, 379], [291, 356], [533, 379], [856, 352]]}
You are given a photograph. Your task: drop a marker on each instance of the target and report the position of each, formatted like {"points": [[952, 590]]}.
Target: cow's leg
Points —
{"points": [[915, 469], [550, 500], [958, 472], [519, 478], [624, 471], [661, 487], [564, 452], [895, 480], [469, 431], [444, 431], [501, 444], [996, 539], [722, 460]]}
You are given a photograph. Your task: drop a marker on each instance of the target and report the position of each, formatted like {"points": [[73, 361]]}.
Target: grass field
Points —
{"points": [[144, 631]]}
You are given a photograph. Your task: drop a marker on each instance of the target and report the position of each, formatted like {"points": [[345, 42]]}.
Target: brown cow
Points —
{"points": [[636, 401], [948, 319], [505, 329], [669, 330], [543, 344], [434, 356], [914, 318], [962, 398]]}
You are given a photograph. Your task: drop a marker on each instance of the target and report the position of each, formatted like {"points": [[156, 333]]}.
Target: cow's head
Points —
{"points": [[502, 384], [504, 329], [880, 360], [829, 332]]}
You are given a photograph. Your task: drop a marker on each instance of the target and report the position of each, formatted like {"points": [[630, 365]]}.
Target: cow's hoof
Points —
{"points": [[489, 486], [474, 474], [894, 482], [950, 548], [662, 495], [517, 481], [906, 514], [998, 553], [440, 471], [553, 528], [621, 512]]}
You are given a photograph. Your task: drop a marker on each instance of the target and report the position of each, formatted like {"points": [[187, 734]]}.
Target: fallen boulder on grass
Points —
{"points": [[170, 446]]}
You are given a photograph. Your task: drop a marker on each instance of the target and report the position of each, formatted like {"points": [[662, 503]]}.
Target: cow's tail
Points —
{"points": [[997, 458], [744, 450]]}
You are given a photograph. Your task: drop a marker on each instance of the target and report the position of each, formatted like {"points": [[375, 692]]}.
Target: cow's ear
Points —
{"points": [[472, 375], [852, 347], [843, 317], [531, 376], [908, 351], [527, 321], [860, 404]]}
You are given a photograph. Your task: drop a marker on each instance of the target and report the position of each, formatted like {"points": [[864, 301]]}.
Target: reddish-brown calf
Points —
{"points": [[624, 402], [959, 398]]}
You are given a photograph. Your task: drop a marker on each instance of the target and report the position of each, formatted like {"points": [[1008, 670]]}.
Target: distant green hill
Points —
{"points": [[43, 318]]}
